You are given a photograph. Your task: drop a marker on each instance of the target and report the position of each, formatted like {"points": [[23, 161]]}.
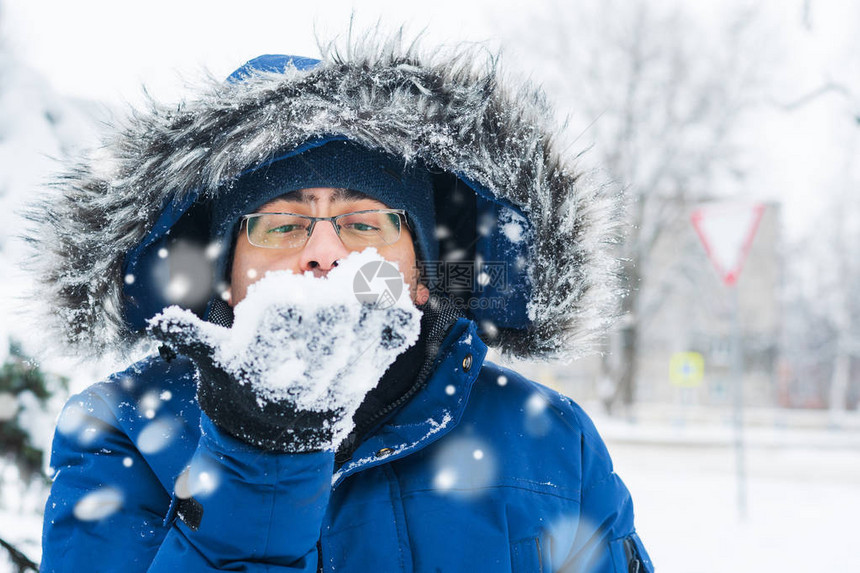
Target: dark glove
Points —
{"points": [[289, 378]]}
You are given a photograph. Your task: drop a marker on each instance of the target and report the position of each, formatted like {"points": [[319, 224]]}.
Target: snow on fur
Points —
{"points": [[451, 109]]}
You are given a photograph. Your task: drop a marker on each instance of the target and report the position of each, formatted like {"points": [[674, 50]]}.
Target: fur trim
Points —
{"points": [[450, 109]]}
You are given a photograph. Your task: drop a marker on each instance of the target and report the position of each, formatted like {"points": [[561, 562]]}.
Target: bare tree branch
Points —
{"points": [[19, 560]]}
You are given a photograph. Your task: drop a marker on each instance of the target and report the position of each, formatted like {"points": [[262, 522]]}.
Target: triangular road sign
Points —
{"points": [[727, 231]]}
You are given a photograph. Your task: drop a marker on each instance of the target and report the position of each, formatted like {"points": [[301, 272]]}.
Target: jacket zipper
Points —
{"points": [[341, 457], [360, 431]]}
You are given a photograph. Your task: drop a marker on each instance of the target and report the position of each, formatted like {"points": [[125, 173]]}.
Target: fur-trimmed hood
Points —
{"points": [[505, 192]]}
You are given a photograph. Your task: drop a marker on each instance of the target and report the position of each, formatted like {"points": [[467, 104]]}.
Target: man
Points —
{"points": [[238, 446]]}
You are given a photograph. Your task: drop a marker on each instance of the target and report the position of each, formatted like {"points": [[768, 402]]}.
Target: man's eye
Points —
{"points": [[361, 227], [285, 229]]}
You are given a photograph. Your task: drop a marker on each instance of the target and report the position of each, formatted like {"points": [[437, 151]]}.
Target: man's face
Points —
{"points": [[323, 249]]}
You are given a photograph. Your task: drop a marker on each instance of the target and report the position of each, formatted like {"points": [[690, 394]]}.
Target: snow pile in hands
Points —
{"points": [[309, 340]]}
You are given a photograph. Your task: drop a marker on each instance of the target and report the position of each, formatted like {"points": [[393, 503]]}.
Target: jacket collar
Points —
{"points": [[433, 412]]}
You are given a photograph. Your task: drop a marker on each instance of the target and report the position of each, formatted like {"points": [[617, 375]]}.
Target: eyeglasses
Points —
{"points": [[357, 230]]}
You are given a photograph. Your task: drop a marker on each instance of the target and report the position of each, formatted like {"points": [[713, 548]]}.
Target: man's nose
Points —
{"points": [[323, 249]]}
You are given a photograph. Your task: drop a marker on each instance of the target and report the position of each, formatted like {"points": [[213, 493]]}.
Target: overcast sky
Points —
{"points": [[105, 50]]}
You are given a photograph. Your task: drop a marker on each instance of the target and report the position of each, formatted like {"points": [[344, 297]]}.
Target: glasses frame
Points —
{"points": [[243, 222]]}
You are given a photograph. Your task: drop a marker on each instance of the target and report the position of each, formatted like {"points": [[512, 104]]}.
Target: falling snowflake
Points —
{"points": [[463, 466], [537, 419], [157, 435], [149, 404], [98, 504]]}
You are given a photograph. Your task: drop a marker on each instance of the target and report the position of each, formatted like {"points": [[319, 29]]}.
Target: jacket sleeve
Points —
{"points": [[108, 510], [605, 540], [261, 511], [106, 506]]}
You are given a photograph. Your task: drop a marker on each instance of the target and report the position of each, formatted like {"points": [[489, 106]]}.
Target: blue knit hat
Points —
{"points": [[339, 165]]}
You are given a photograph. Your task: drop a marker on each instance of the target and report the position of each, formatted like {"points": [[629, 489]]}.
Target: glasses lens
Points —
{"points": [[369, 229], [277, 231]]}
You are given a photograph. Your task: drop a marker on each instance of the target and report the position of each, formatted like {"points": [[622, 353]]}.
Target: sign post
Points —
{"points": [[727, 231]]}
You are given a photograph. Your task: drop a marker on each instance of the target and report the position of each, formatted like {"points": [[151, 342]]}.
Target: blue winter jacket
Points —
{"points": [[482, 471]]}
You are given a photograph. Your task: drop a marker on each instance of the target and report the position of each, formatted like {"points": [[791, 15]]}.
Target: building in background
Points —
{"points": [[692, 312]]}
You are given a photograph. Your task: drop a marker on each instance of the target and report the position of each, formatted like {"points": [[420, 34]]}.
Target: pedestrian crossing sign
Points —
{"points": [[686, 369]]}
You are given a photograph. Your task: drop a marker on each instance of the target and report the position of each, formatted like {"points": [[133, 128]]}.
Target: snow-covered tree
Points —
{"points": [[25, 392], [660, 97], [822, 311]]}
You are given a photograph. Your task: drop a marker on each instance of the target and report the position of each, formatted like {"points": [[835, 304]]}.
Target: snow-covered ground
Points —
{"points": [[803, 497]]}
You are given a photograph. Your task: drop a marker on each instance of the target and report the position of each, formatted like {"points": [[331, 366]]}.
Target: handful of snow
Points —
{"points": [[304, 340]]}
